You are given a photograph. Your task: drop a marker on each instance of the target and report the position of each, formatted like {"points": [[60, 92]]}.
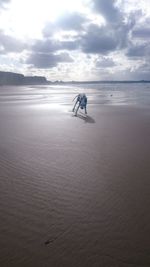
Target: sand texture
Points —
{"points": [[74, 191]]}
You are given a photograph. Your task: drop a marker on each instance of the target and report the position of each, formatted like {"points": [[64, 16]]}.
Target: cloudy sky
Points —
{"points": [[76, 39]]}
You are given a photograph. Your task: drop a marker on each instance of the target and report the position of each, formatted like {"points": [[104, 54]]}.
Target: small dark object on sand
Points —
{"points": [[47, 242]]}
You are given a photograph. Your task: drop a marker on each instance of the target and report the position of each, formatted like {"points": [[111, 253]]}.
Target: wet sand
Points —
{"points": [[74, 191]]}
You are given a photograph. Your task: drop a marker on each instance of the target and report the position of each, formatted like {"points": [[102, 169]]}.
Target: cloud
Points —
{"points": [[141, 72], [45, 46], [114, 35], [98, 40], [105, 62], [44, 61], [142, 33], [3, 2], [10, 44], [71, 21], [108, 10], [118, 27], [142, 28], [92, 38], [67, 22], [70, 45], [95, 39], [49, 29], [50, 45], [138, 50]]}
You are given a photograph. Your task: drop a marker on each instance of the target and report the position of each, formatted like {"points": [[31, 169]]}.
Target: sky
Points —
{"points": [[76, 39]]}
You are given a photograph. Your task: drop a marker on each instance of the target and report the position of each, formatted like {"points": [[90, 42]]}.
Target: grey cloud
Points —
{"points": [[118, 24], [126, 26], [105, 63], [71, 21], [10, 44], [49, 29], [142, 72], [108, 10], [46, 46], [70, 45], [145, 67], [136, 51], [49, 45], [90, 37], [98, 40], [68, 22], [95, 40], [142, 28], [133, 17], [142, 33], [43, 61], [112, 36], [105, 39]]}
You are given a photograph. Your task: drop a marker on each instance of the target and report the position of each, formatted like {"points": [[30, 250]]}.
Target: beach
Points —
{"points": [[74, 191]]}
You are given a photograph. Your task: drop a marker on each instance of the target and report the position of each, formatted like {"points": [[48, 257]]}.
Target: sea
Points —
{"points": [[134, 94]]}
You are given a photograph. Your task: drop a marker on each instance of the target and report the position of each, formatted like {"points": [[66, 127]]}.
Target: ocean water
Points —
{"points": [[98, 94]]}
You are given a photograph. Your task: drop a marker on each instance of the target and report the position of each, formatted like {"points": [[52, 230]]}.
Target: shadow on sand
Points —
{"points": [[86, 119]]}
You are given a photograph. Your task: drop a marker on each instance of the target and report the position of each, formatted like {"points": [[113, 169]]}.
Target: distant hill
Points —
{"points": [[107, 81], [10, 78]]}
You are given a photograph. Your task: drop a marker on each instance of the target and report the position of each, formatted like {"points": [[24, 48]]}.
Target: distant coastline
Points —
{"points": [[11, 78]]}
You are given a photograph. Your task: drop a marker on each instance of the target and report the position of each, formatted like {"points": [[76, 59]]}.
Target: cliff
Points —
{"points": [[10, 78]]}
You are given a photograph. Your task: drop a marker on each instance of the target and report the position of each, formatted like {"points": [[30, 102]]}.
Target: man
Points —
{"points": [[82, 103]]}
